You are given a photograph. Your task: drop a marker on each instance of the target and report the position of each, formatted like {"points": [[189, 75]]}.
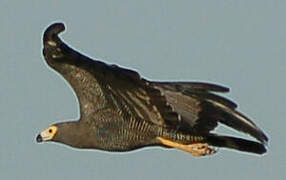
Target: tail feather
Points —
{"points": [[236, 143]]}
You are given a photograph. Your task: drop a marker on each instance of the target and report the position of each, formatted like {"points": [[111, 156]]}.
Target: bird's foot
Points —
{"points": [[200, 149], [196, 149]]}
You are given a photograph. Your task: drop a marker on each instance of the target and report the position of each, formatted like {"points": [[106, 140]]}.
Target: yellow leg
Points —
{"points": [[196, 149]]}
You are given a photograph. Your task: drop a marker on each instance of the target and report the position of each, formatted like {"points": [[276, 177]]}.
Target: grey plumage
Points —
{"points": [[121, 111]]}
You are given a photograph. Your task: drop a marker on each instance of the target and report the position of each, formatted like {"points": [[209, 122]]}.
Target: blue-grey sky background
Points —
{"points": [[240, 44]]}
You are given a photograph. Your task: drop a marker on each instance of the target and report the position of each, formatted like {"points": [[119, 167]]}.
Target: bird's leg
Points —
{"points": [[196, 149]]}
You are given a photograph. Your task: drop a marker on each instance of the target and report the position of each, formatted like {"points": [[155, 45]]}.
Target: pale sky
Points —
{"points": [[239, 44]]}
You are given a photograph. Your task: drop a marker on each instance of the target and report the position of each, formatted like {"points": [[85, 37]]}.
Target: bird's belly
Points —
{"points": [[118, 136]]}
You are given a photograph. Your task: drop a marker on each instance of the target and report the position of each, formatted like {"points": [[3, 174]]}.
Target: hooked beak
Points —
{"points": [[47, 135], [39, 138]]}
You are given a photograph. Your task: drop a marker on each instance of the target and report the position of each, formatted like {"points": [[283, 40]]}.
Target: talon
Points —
{"points": [[200, 149], [196, 149]]}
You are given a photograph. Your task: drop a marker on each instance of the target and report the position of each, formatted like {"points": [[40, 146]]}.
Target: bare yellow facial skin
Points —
{"points": [[49, 133]]}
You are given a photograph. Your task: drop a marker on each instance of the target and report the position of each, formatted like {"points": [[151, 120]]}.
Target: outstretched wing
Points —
{"points": [[99, 86], [186, 106]]}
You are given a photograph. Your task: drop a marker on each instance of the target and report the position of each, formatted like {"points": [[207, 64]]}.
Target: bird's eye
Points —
{"points": [[50, 130]]}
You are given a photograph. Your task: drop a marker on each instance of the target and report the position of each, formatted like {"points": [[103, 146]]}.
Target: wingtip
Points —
{"points": [[265, 139], [262, 149], [260, 135], [53, 30]]}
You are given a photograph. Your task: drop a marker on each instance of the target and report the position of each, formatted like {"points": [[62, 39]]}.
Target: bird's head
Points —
{"points": [[48, 134], [71, 133], [60, 132]]}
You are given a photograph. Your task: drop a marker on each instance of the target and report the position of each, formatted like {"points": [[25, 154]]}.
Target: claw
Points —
{"points": [[200, 149]]}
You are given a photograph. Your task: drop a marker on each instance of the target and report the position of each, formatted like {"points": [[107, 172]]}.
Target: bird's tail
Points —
{"points": [[235, 143]]}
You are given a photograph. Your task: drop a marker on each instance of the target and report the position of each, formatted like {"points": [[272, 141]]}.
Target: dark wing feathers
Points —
{"points": [[211, 97], [159, 102], [149, 103], [197, 89], [201, 110], [238, 121], [191, 86]]}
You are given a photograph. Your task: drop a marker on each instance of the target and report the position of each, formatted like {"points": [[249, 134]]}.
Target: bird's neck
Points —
{"points": [[74, 134]]}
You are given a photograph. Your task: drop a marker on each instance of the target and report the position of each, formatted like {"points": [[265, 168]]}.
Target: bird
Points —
{"points": [[121, 111]]}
